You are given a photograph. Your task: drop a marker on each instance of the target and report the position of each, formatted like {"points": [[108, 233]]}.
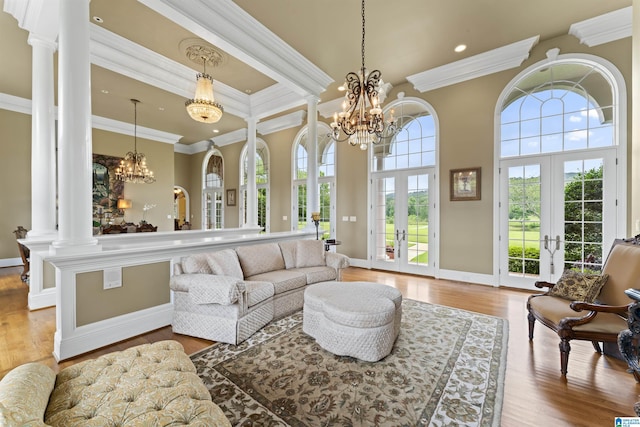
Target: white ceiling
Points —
{"points": [[277, 52]]}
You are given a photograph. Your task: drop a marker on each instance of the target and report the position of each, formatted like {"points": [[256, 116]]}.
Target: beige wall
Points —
{"points": [[280, 145], [15, 175], [143, 286]]}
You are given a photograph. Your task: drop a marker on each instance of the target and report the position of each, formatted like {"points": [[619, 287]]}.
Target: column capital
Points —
{"points": [[312, 99], [38, 40]]}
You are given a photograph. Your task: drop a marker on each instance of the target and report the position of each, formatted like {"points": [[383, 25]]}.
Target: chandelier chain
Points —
{"points": [[363, 37]]}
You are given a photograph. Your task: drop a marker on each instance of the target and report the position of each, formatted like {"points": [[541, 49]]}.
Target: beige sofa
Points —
{"points": [[150, 385], [228, 295]]}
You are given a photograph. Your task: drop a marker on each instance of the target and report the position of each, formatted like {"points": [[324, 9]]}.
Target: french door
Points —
{"points": [[400, 217], [557, 212], [212, 206]]}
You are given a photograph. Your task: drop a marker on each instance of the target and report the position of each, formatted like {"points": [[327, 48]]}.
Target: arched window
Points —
{"points": [[212, 190], [262, 184], [326, 180], [403, 170], [560, 161]]}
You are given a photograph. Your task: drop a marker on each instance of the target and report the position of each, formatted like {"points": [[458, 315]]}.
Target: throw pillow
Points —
{"points": [[196, 264], [225, 263], [578, 286]]}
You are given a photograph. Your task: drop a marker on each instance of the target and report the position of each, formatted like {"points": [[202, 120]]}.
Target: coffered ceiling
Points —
{"points": [[277, 53]]}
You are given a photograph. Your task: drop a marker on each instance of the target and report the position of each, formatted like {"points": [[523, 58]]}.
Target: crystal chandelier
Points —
{"points": [[361, 118], [203, 107], [133, 168]]}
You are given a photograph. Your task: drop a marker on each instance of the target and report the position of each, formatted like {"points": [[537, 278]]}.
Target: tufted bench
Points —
{"points": [[357, 319], [148, 385]]}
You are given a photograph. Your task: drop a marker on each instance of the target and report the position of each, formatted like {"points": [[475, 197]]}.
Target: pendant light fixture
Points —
{"points": [[361, 118], [133, 168]]}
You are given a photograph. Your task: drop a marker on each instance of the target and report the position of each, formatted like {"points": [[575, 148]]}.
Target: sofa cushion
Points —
{"points": [[258, 259], [225, 263], [24, 394], [288, 249], [577, 286], [309, 253], [318, 274], [283, 280], [196, 264]]}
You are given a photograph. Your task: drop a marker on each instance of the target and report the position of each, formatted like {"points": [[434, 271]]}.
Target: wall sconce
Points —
{"points": [[315, 217]]}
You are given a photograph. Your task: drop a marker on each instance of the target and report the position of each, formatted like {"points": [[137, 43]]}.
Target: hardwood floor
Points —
{"points": [[597, 389]]}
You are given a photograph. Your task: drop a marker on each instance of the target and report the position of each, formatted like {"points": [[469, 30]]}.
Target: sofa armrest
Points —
{"points": [[24, 395], [207, 288], [336, 260]]}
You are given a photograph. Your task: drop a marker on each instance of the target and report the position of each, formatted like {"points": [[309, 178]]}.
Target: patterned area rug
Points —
{"points": [[446, 369]]}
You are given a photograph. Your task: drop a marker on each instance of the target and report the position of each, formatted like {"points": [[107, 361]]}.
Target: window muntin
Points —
{"points": [[413, 146], [563, 107]]}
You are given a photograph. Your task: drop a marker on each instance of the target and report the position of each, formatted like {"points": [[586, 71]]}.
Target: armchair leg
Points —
{"points": [[596, 346], [565, 348], [532, 321]]}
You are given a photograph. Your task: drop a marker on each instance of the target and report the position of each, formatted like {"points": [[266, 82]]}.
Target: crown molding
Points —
{"points": [[36, 16], [22, 105], [493, 61], [128, 129], [198, 147], [273, 100], [281, 123], [230, 137], [227, 26], [605, 28]]}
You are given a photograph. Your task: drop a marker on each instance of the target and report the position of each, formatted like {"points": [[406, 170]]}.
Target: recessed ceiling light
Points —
{"points": [[460, 48], [216, 131], [247, 91], [98, 19], [104, 91], [161, 108]]}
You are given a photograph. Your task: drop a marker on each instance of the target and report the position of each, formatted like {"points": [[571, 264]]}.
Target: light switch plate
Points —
{"points": [[112, 277]]}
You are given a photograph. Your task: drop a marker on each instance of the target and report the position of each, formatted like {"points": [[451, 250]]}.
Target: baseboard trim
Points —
{"points": [[46, 298], [106, 332], [459, 276], [467, 277], [10, 262]]}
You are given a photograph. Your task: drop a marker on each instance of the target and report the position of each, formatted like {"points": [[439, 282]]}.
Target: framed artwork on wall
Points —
{"points": [[106, 188], [464, 184], [231, 197]]}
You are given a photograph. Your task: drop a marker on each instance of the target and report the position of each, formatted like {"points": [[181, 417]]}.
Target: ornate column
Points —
{"points": [[313, 197], [74, 130], [43, 152], [251, 213]]}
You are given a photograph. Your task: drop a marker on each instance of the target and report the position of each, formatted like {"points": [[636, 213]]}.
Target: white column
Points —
{"points": [[43, 152], [313, 197], [74, 130], [252, 190], [632, 185]]}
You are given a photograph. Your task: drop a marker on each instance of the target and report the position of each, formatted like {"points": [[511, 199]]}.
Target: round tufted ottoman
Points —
{"points": [[357, 319]]}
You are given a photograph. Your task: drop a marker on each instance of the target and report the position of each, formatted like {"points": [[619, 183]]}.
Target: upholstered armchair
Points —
{"points": [[588, 307]]}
